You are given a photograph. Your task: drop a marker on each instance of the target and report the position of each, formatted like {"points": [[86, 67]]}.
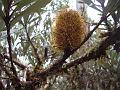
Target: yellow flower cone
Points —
{"points": [[68, 30]]}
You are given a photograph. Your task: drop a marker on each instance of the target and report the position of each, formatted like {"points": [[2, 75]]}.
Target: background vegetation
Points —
{"points": [[28, 62]]}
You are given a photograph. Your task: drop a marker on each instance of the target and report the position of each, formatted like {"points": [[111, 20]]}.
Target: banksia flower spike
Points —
{"points": [[68, 30]]}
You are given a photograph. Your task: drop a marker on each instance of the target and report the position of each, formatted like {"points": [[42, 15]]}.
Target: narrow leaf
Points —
{"points": [[1, 12], [36, 7], [112, 5], [5, 4], [23, 3]]}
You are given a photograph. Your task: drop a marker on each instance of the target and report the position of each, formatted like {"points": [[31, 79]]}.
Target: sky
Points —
{"points": [[92, 13]]}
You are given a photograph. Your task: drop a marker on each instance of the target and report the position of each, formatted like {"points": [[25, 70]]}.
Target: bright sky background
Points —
{"points": [[92, 13]]}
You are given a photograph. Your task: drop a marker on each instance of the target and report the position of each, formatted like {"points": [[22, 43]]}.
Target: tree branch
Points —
{"points": [[92, 55], [34, 48], [15, 62], [97, 53], [7, 23], [56, 67]]}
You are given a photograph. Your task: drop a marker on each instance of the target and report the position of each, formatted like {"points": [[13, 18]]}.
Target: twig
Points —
{"points": [[16, 62], [4, 65], [19, 64], [34, 48], [2, 87], [4, 77], [103, 14], [91, 32], [6, 71], [7, 23]]}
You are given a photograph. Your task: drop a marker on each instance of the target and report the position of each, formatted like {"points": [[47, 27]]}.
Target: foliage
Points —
{"points": [[28, 61]]}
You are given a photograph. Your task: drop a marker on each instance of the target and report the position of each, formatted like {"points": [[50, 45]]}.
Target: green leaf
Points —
{"points": [[94, 7], [26, 47], [88, 2], [5, 4], [1, 12], [31, 60], [101, 1], [39, 17], [23, 14], [36, 7], [23, 3], [115, 17], [27, 18], [112, 6], [101, 61], [91, 4], [118, 13], [2, 25]]}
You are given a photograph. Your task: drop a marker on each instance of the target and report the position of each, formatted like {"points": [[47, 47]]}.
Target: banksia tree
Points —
{"points": [[68, 30]]}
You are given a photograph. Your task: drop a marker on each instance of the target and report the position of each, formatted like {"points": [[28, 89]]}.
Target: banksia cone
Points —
{"points": [[68, 30]]}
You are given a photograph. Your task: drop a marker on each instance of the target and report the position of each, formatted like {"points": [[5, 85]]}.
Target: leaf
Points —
{"points": [[36, 7], [22, 14], [1, 12], [26, 47], [94, 7], [88, 2], [31, 61], [111, 6], [101, 1], [25, 18], [1, 18], [118, 13], [115, 18], [5, 4], [39, 17], [23, 3], [91, 4], [2, 25]]}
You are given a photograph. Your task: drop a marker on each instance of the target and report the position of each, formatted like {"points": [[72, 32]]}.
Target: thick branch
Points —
{"points": [[10, 48], [7, 23], [58, 64], [98, 52], [94, 54]]}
